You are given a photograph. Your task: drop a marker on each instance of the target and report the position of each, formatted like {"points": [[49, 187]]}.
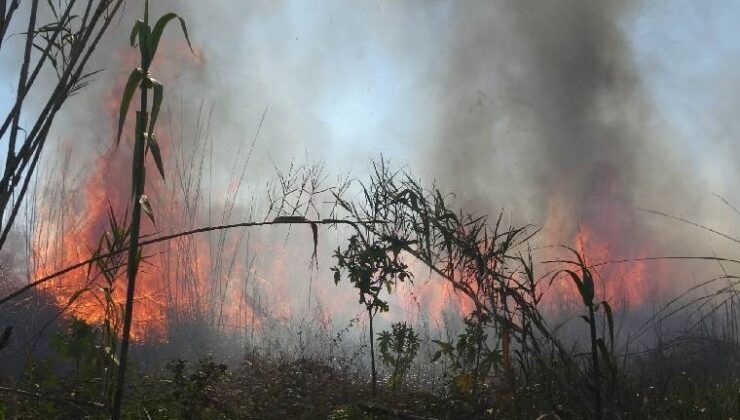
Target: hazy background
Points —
{"points": [[578, 108], [503, 102]]}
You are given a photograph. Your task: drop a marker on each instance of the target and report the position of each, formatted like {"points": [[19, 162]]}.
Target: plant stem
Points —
{"points": [[372, 351], [596, 375], [138, 178]]}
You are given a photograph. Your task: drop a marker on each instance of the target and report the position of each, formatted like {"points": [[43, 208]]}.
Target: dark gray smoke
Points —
{"points": [[506, 103], [542, 98]]}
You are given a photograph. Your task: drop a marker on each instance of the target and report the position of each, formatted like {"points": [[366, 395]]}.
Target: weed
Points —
{"points": [[398, 349]]}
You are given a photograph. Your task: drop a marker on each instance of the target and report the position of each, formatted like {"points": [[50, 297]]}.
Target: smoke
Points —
{"points": [[538, 108], [544, 112], [543, 99], [506, 103]]}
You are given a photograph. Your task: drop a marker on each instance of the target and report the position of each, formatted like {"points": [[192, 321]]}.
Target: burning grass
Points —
{"points": [[456, 318], [486, 348], [231, 325], [500, 335]]}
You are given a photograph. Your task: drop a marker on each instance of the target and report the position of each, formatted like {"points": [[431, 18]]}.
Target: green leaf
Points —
{"points": [[156, 154], [128, 93], [446, 347], [111, 354], [579, 283], [607, 356], [158, 89], [159, 29], [144, 46], [147, 207], [135, 32], [588, 287]]}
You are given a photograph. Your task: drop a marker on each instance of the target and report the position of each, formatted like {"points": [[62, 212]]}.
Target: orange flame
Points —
{"points": [[173, 278], [608, 235]]}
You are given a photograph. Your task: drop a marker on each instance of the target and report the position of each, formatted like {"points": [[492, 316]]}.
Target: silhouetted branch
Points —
{"points": [[403, 415], [91, 404], [278, 221]]}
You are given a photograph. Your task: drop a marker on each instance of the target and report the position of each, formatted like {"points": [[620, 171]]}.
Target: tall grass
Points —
{"points": [[544, 369], [508, 360]]}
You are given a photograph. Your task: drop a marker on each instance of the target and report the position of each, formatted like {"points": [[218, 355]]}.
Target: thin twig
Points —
{"points": [[91, 404], [178, 235], [403, 415]]}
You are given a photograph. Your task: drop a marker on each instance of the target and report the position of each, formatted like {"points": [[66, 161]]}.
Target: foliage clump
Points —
{"points": [[398, 349]]}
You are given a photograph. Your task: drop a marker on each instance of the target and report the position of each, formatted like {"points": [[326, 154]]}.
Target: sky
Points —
{"points": [[344, 82], [686, 52], [512, 104]]}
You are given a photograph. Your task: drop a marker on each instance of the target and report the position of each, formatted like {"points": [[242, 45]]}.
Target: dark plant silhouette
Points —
{"points": [[398, 349], [372, 265], [584, 281], [63, 45], [145, 142]]}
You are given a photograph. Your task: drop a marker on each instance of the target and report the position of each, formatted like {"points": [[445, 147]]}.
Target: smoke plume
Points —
{"points": [[537, 108]]}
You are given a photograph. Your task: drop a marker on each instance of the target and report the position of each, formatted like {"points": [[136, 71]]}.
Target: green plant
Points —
{"points": [[348, 412], [91, 349], [92, 361], [372, 264], [116, 238], [144, 142], [476, 257], [584, 282], [470, 357], [398, 348], [192, 389], [72, 378]]}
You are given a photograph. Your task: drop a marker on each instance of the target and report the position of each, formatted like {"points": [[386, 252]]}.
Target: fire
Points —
{"points": [[174, 280], [432, 297], [200, 279], [608, 235]]}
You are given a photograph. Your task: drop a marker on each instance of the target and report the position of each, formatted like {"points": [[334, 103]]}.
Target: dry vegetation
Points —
{"points": [[505, 359]]}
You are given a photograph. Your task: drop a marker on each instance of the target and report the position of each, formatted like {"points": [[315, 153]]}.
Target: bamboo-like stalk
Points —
{"points": [[372, 351], [596, 372], [133, 251], [148, 41]]}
